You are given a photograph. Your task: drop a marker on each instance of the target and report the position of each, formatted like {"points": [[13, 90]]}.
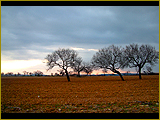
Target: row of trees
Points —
{"points": [[66, 58], [111, 58], [36, 73]]}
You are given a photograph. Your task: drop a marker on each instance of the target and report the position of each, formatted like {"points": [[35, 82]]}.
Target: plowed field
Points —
{"points": [[92, 94]]}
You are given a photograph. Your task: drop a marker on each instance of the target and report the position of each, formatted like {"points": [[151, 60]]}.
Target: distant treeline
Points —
{"points": [[123, 74]]}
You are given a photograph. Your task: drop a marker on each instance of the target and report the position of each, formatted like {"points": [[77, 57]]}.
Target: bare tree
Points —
{"points": [[109, 58], [9, 73], [18, 74], [62, 58], [87, 67], [38, 73], [139, 56], [77, 65]]}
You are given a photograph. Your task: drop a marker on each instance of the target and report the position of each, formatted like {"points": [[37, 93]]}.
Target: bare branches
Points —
{"points": [[88, 67], [112, 58], [109, 58], [139, 56], [77, 65], [63, 58]]}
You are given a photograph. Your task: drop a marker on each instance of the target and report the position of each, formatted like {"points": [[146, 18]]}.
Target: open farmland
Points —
{"points": [[92, 94]]}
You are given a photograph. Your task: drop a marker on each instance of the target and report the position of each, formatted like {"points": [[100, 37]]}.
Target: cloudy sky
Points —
{"points": [[29, 33]]}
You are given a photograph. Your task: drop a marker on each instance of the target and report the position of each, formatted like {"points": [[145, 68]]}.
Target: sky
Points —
{"points": [[30, 33]]}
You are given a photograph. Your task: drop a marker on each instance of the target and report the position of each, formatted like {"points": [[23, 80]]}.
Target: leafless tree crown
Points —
{"points": [[139, 56], [109, 58], [62, 58]]}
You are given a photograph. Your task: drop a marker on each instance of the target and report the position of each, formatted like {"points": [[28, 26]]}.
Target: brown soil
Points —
{"points": [[92, 94]]}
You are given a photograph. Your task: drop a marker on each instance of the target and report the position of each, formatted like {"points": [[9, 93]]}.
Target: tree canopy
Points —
{"points": [[109, 58], [139, 56], [63, 58], [112, 58]]}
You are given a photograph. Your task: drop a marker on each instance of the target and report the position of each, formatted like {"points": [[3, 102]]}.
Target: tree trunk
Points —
{"points": [[119, 74], [78, 74], [67, 75], [140, 73]]}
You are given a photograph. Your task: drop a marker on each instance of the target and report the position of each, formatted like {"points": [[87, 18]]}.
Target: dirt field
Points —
{"points": [[94, 94]]}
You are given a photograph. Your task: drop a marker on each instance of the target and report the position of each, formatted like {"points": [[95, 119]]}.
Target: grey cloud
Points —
{"points": [[91, 27]]}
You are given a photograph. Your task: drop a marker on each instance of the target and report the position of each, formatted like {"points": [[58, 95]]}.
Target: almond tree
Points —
{"points": [[109, 58], [139, 56], [88, 67], [77, 65], [38, 73], [62, 58]]}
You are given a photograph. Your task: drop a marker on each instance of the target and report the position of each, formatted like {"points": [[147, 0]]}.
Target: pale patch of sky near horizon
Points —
{"points": [[14, 65]]}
